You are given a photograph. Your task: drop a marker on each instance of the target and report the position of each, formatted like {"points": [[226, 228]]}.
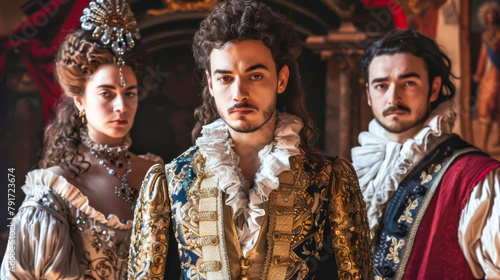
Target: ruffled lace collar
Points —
{"points": [[73, 195], [249, 204], [381, 164]]}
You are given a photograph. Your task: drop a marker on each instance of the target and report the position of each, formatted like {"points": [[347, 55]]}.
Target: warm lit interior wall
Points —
{"points": [[448, 37]]}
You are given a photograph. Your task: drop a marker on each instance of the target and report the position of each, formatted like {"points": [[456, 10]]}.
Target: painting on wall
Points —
{"points": [[485, 75]]}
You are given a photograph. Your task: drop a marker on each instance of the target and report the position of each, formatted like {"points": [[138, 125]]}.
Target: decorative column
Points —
{"points": [[347, 112]]}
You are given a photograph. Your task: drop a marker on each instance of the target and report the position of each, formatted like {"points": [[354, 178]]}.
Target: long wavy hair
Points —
{"points": [[413, 42], [77, 58], [235, 20]]}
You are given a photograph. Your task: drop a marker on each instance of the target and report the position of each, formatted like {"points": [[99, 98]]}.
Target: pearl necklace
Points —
{"points": [[113, 153]]}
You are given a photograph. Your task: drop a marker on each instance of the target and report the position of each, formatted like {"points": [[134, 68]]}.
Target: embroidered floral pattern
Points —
{"points": [[407, 215], [406, 209], [426, 178], [394, 250]]}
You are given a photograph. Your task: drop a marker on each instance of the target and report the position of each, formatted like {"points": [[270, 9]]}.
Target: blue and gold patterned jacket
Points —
{"points": [[316, 223]]}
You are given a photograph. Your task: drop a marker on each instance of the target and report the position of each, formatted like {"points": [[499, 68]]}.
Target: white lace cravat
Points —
{"points": [[249, 204], [381, 164]]}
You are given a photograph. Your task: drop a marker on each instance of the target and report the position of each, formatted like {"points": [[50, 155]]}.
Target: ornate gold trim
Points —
{"points": [[173, 6], [211, 220], [410, 240], [349, 224], [281, 217], [149, 240]]}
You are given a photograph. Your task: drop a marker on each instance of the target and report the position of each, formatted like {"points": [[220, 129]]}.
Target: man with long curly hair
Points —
{"points": [[432, 199], [253, 199]]}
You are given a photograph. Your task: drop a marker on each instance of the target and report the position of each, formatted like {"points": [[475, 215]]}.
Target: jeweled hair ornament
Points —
{"points": [[113, 24]]}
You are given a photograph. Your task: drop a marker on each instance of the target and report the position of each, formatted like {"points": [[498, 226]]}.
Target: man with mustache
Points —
{"points": [[432, 199], [253, 199]]}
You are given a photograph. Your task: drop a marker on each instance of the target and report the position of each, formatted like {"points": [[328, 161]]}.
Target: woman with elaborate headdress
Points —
{"points": [[487, 73], [76, 220]]}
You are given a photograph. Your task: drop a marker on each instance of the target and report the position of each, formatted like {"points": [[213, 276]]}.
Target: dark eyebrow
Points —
{"points": [[256, 66], [404, 76], [249, 69], [220, 71], [113, 87], [409, 75], [378, 80], [107, 86]]}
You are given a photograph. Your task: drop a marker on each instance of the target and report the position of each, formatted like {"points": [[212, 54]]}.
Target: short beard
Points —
{"points": [[404, 129], [268, 114]]}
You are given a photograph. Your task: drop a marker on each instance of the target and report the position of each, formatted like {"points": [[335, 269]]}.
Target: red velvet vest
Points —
{"points": [[436, 253]]}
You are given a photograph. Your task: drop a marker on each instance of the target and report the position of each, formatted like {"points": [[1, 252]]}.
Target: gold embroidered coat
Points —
{"points": [[316, 223]]}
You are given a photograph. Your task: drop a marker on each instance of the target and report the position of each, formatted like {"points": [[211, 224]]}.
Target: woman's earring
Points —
{"points": [[81, 115]]}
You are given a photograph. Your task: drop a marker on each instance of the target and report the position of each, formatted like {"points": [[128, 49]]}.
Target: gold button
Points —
{"points": [[244, 277], [276, 236], [246, 263]]}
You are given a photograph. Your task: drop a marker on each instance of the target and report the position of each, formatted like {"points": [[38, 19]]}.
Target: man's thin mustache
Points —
{"points": [[395, 108], [242, 105]]}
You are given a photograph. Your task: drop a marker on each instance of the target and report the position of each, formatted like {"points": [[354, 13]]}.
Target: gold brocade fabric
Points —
{"points": [[316, 224], [257, 254], [350, 231], [149, 241]]}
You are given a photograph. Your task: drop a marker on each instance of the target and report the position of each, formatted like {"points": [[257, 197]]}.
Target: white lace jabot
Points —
{"points": [[381, 164], [249, 204]]}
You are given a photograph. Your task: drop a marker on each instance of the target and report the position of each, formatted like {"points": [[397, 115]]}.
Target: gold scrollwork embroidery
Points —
{"points": [[282, 236], [282, 261], [283, 210], [173, 6], [349, 224], [208, 240], [207, 193], [149, 240], [209, 266], [207, 216]]}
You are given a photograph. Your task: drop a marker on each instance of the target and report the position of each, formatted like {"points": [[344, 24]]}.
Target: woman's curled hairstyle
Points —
{"points": [[78, 57]]}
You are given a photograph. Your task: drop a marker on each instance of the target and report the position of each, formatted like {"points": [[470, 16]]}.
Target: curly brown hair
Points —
{"points": [[237, 20], [77, 58]]}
